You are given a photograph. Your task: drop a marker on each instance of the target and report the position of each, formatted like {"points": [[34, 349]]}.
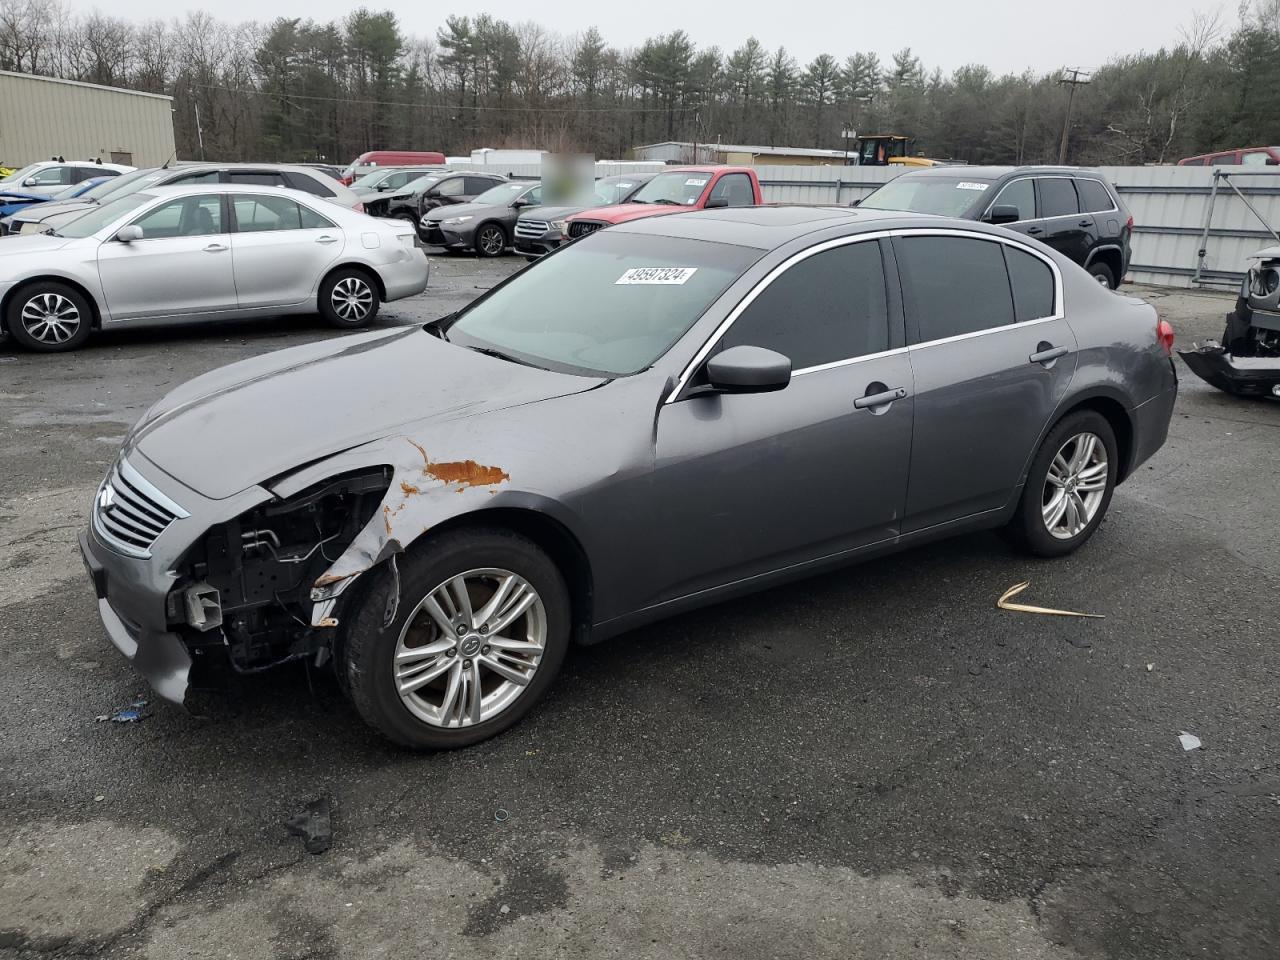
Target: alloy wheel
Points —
{"points": [[491, 241], [1075, 485], [470, 648], [50, 318], [352, 298]]}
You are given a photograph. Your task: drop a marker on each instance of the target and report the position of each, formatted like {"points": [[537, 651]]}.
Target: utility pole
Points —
{"points": [[1070, 78], [199, 129]]}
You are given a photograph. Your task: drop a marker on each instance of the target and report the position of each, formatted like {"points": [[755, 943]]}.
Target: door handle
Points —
{"points": [[326, 239], [1086, 223], [1046, 354], [1034, 230], [215, 248], [881, 398]]}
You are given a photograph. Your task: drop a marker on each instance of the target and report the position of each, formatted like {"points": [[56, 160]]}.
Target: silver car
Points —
{"points": [[665, 414], [208, 252]]}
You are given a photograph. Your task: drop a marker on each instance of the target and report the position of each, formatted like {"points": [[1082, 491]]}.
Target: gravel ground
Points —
{"points": [[874, 763]]}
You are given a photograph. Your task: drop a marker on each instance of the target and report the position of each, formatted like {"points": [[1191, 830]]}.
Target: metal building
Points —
{"points": [[41, 118]]}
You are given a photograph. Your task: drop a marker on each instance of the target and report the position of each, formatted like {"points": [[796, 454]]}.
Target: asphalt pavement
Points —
{"points": [[874, 763]]}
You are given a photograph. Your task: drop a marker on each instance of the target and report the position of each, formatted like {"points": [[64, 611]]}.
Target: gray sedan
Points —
{"points": [[188, 254], [663, 415], [486, 224]]}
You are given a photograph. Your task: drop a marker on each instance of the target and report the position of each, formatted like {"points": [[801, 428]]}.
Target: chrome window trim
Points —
{"points": [[704, 351], [1061, 216]]}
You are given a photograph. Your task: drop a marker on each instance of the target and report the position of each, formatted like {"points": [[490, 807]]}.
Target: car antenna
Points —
{"points": [[172, 157]]}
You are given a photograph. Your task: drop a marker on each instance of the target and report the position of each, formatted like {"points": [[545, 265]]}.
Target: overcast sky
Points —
{"points": [[1006, 35]]}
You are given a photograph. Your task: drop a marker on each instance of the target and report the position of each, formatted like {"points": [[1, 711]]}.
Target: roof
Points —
{"points": [[761, 227], [81, 83], [991, 173]]}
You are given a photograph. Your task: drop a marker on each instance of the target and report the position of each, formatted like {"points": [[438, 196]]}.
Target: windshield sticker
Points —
{"points": [[966, 185], [695, 182], [657, 275]]}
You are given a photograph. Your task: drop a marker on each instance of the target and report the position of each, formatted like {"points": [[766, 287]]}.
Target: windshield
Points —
{"points": [[503, 193], [122, 186], [422, 184], [612, 191], [73, 191], [91, 221], [944, 197], [633, 297], [372, 179], [19, 175], [683, 188]]}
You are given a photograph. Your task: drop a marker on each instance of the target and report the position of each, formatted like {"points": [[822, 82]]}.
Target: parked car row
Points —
{"points": [[47, 177]]}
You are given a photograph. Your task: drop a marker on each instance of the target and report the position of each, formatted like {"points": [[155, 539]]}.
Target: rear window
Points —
{"points": [[308, 184], [1094, 197], [941, 196]]}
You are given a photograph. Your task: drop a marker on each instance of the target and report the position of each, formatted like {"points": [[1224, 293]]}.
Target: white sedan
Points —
{"points": [[205, 252]]}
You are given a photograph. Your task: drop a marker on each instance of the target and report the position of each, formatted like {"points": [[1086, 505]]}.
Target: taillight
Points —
{"points": [[358, 208], [1129, 223], [1164, 333]]}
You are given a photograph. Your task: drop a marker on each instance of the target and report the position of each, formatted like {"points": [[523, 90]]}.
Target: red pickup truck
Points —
{"points": [[674, 191]]}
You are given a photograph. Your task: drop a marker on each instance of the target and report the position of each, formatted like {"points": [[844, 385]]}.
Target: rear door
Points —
{"points": [[752, 483], [1065, 229], [991, 355], [182, 264], [280, 249]]}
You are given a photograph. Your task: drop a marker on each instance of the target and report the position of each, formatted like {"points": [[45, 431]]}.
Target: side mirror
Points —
{"points": [[383, 187], [1004, 213], [747, 369], [129, 234], [856, 202], [520, 202], [714, 203], [30, 182]]}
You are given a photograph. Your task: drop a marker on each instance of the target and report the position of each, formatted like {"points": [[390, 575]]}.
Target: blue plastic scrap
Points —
{"points": [[133, 713]]}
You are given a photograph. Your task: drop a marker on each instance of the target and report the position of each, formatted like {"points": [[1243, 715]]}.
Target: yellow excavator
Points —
{"points": [[890, 149]]}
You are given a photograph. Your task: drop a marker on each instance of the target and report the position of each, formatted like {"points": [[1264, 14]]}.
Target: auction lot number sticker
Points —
{"points": [[657, 275]]}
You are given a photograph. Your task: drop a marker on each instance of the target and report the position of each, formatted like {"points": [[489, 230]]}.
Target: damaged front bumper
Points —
{"points": [[1242, 376]]}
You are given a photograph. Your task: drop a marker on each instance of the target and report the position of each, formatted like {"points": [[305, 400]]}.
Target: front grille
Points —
{"points": [[580, 228], [531, 229], [129, 513], [432, 233]]}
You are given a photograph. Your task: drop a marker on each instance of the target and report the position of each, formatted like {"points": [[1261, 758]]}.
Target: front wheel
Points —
{"points": [[491, 240], [473, 640], [348, 299], [1069, 486], [49, 317]]}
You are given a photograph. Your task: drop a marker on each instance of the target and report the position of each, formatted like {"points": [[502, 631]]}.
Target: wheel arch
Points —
{"points": [[1112, 407], [1111, 255], [94, 307], [370, 272], [491, 222]]}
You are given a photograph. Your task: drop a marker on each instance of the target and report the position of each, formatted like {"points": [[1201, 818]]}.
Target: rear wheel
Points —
{"points": [[491, 240], [49, 317], [477, 636], [1069, 486], [348, 299], [1103, 274]]}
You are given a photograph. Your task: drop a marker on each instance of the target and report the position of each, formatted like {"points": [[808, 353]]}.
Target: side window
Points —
{"points": [[300, 181], [1020, 194], [477, 185], [1032, 283], [51, 176], [1224, 160], [452, 187], [185, 217], [534, 196], [734, 189], [828, 307], [1258, 158], [312, 220], [257, 214], [1094, 197], [210, 176], [1057, 197], [953, 285], [262, 178]]}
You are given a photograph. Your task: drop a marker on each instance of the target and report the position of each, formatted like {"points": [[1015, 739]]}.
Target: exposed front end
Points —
{"points": [[1247, 361]]}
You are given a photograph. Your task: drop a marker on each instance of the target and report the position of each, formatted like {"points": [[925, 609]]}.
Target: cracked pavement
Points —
{"points": [[873, 763]]}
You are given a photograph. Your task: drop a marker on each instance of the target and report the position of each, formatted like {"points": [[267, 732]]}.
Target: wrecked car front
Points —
{"points": [[245, 503]]}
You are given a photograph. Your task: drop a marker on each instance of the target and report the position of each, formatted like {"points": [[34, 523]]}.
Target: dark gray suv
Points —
{"points": [[1075, 211]]}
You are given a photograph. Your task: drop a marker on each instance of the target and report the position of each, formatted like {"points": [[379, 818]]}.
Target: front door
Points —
{"points": [[992, 357], [752, 483], [280, 249], [182, 264]]}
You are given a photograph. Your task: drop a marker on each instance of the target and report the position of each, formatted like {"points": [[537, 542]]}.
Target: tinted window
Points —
{"points": [[1032, 283], [255, 214], [1020, 194], [830, 306], [300, 181], [1057, 197], [210, 176], [734, 189], [450, 188], [185, 217], [260, 178], [478, 185], [621, 317], [953, 285], [1094, 197], [1224, 159]]}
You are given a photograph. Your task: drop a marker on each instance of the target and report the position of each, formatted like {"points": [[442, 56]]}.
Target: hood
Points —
{"points": [[557, 213], [53, 208], [622, 212], [246, 423], [37, 243], [470, 210], [20, 196], [1266, 253]]}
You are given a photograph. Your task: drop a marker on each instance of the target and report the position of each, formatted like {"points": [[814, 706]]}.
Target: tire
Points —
{"points": [[49, 317], [348, 299], [491, 240], [1030, 525], [1103, 274], [419, 718]]}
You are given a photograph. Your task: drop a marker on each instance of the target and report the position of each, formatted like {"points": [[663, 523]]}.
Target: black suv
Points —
{"points": [[1075, 211]]}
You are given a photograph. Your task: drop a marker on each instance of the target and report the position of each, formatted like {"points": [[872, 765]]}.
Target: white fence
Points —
{"points": [[1169, 206]]}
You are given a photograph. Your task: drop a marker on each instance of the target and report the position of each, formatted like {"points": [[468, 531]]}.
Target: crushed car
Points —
{"points": [[1247, 360]]}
